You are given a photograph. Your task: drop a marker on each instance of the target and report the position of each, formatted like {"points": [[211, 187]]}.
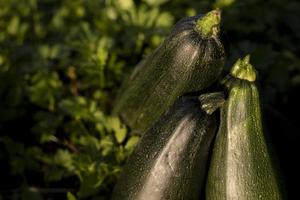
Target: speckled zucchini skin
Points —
{"points": [[169, 162], [241, 167], [185, 62]]}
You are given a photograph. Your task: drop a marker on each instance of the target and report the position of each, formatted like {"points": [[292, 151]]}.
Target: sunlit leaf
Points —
{"points": [[131, 143], [223, 3], [13, 25], [155, 2], [114, 124], [70, 196]]}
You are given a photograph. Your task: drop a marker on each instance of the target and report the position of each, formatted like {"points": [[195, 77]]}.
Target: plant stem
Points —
{"points": [[209, 24]]}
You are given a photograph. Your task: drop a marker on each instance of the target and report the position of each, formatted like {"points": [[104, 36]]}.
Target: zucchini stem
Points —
{"points": [[242, 69], [210, 102], [209, 24]]}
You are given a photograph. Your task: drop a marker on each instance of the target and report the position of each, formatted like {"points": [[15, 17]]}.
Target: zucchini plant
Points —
{"points": [[190, 59]]}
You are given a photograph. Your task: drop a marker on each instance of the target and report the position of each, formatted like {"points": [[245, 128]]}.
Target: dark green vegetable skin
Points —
{"points": [[169, 162], [241, 166], [190, 59]]}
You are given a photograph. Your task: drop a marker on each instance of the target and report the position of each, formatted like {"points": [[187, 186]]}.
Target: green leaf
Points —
{"points": [[125, 4], [120, 135], [131, 143], [89, 141], [13, 25], [155, 2], [91, 179], [65, 159], [114, 124], [223, 3], [106, 145], [45, 87], [70, 196], [165, 19]]}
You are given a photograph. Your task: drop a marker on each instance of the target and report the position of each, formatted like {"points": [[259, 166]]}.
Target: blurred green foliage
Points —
{"points": [[62, 61]]}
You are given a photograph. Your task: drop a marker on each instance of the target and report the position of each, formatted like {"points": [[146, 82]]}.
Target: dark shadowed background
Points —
{"points": [[62, 61]]}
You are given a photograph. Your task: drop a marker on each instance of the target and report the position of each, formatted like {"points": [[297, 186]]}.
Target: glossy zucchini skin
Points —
{"points": [[241, 165], [169, 162], [185, 62]]}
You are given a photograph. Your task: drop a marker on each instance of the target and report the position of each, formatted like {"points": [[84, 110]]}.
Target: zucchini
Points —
{"points": [[190, 59], [241, 165], [169, 162]]}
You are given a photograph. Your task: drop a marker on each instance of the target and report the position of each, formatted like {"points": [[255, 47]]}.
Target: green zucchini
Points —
{"points": [[241, 165], [190, 59], [169, 162]]}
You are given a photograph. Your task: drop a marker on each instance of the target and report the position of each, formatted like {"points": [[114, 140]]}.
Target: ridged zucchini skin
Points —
{"points": [[186, 61], [241, 166], [169, 162]]}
